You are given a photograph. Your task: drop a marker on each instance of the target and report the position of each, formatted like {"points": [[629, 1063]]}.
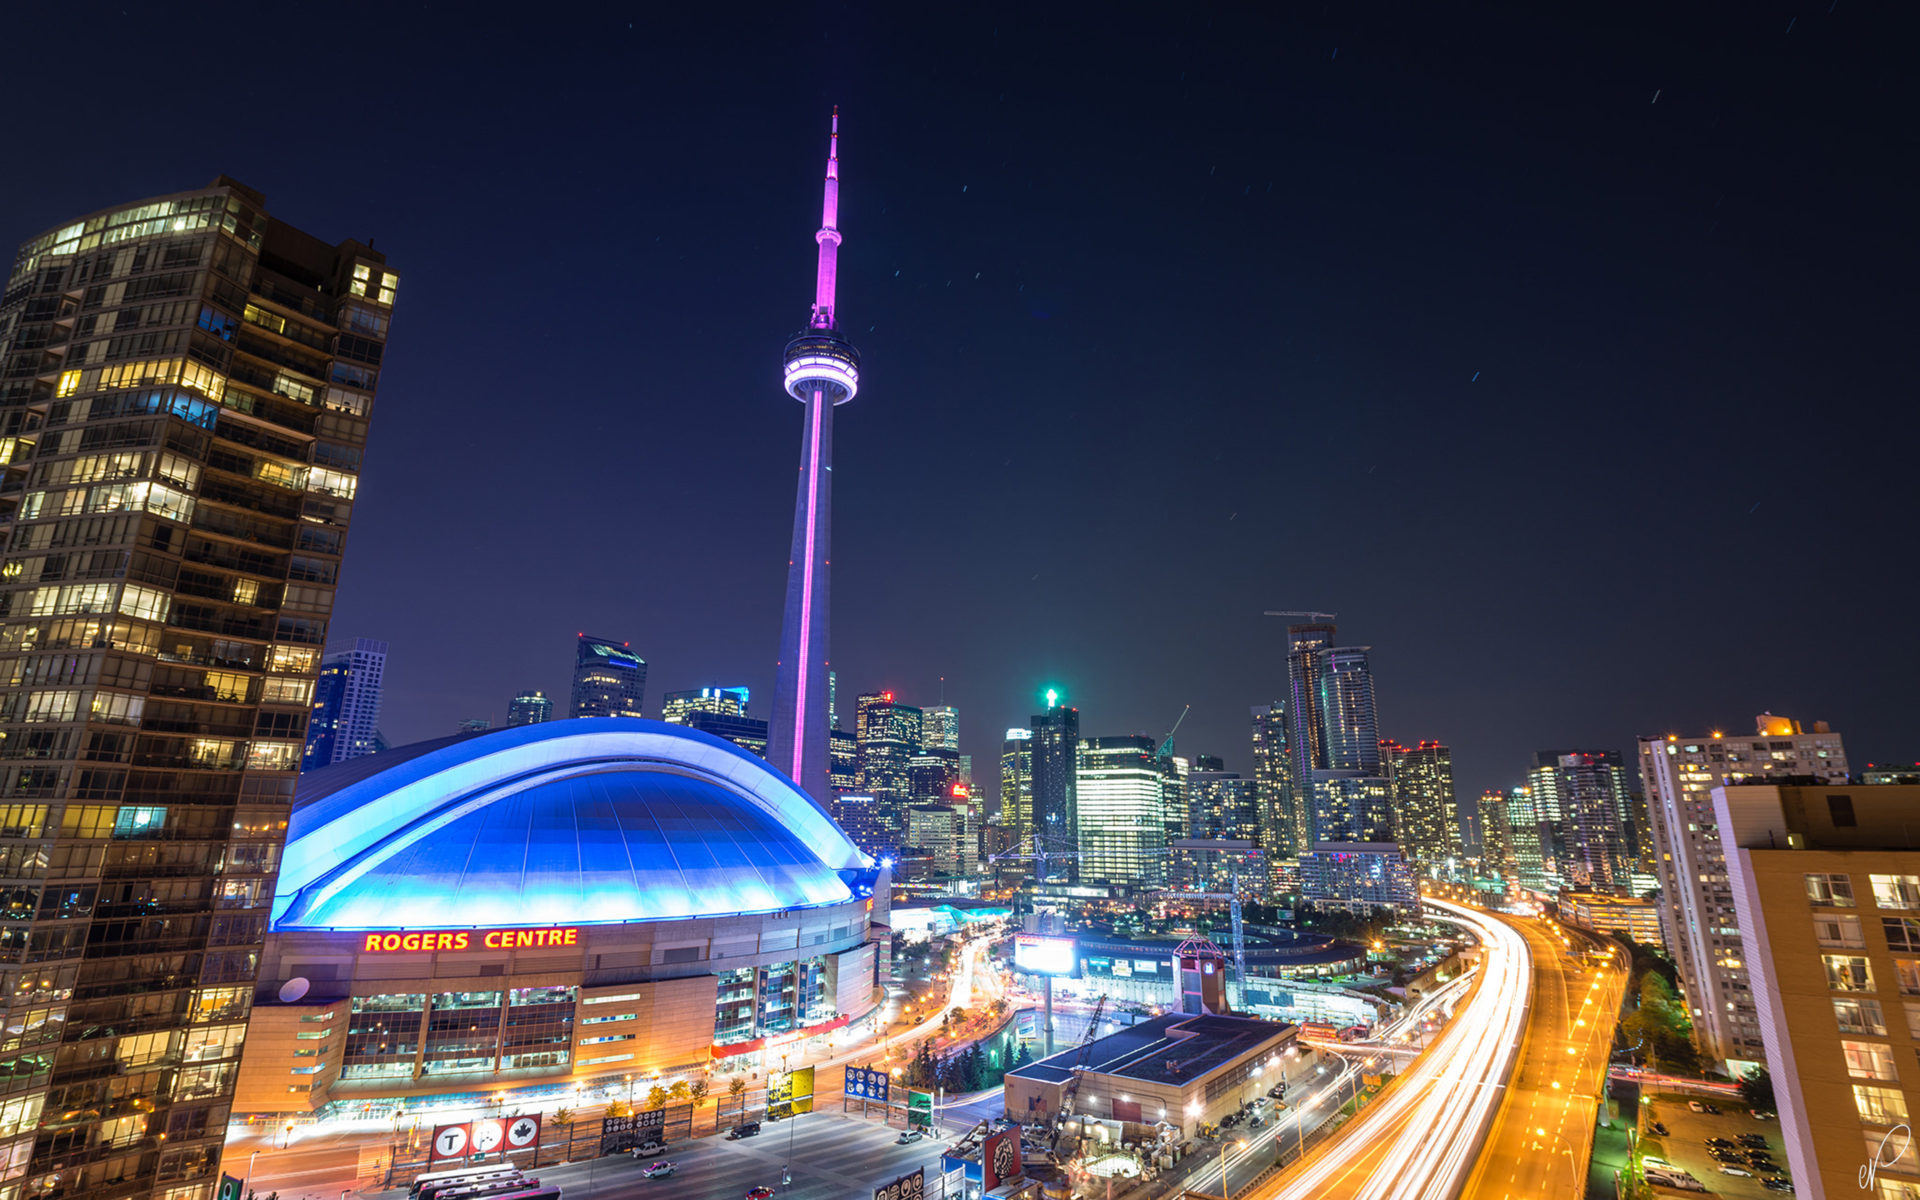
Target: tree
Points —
{"points": [[680, 1091], [619, 1108], [698, 1089], [1024, 1057], [1756, 1088], [656, 1097]]}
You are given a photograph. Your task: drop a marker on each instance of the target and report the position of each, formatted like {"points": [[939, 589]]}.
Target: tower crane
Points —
{"points": [[1166, 743], [1311, 616]]}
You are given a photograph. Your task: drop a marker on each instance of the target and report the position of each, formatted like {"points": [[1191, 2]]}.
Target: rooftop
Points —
{"points": [[1176, 1049]]}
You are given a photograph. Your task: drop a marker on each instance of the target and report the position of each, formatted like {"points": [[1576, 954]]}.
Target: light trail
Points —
{"points": [[1434, 1118]]}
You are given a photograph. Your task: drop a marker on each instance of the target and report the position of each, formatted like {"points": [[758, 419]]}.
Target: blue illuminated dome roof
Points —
{"points": [[596, 819]]}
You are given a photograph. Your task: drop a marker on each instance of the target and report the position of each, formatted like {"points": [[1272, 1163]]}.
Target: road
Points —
{"points": [[1542, 1136], [1417, 1140]]}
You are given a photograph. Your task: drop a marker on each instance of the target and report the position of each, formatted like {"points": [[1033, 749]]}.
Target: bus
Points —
{"points": [[484, 1188], [1317, 1029], [534, 1193], [435, 1181]]}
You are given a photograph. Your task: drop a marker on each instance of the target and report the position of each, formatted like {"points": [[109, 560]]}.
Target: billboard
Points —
{"points": [[487, 1136], [863, 1084], [907, 1187], [1000, 1159], [1036, 954], [789, 1093]]}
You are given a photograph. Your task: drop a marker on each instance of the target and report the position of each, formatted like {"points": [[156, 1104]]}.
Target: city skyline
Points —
{"points": [[1444, 327]]}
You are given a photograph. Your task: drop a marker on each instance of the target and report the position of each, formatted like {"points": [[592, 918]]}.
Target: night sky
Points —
{"points": [[1559, 352]]}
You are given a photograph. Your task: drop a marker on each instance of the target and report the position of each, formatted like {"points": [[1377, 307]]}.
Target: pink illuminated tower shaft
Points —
{"points": [[822, 370]]}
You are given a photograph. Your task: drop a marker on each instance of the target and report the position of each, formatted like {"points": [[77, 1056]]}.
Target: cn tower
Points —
{"points": [[822, 371]]}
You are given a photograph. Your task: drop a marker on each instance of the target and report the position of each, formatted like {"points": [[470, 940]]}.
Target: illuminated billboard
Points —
{"points": [[1038, 955]]}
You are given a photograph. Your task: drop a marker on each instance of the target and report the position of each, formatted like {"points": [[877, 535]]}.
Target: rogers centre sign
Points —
{"points": [[469, 939]]}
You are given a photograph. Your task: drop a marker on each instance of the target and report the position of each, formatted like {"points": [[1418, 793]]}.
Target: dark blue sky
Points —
{"points": [[1585, 409]]}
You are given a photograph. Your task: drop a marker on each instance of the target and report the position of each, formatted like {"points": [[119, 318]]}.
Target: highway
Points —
{"points": [[1542, 1137], [1418, 1140]]}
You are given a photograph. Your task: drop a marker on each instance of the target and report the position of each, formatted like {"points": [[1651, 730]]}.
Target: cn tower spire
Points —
{"points": [[829, 235], [822, 371]]}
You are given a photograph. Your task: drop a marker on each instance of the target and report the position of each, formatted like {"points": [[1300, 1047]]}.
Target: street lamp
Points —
{"points": [[1224, 1194], [786, 1171]]}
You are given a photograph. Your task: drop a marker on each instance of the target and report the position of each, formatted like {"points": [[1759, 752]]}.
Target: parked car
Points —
{"points": [[1777, 1183], [1658, 1129], [1721, 1142], [1696, 1106], [1762, 1114], [1274, 1093], [649, 1150], [744, 1129], [659, 1170], [1713, 1110], [908, 1137], [1753, 1139], [1729, 1169], [763, 1192]]}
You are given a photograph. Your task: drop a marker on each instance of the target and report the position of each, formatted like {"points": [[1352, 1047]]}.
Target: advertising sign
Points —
{"points": [[1036, 954], [907, 1187], [487, 1134], [863, 1084], [468, 939], [919, 1109], [789, 1093], [1000, 1159], [523, 1133], [449, 1143], [229, 1188]]}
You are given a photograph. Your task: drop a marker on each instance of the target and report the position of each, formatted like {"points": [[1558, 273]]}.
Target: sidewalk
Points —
{"points": [[1611, 1152]]}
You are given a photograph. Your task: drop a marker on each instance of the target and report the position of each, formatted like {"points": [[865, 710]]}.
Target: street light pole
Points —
{"points": [[786, 1172]]}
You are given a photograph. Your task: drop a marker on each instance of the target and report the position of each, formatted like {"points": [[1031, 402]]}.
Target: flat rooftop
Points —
{"points": [[1174, 1049]]}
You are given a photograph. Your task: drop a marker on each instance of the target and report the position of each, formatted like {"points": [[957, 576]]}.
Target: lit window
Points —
{"points": [[1882, 1106], [1838, 932], [1863, 1016], [1848, 973], [1831, 891], [1869, 1060], [1896, 891], [69, 383]]}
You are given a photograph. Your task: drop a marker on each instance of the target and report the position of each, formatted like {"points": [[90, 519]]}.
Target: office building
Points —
{"points": [[346, 705], [843, 762], [933, 776], [888, 734], [1638, 918], [822, 372], [1702, 932], [1426, 818], [1496, 837], [1351, 806], [530, 707], [1529, 842], [1283, 831], [1219, 867], [865, 823], [1051, 772], [1825, 881], [748, 733], [940, 728], [1580, 797], [609, 679], [715, 912], [939, 836], [1358, 877], [185, 385], [1884, 774], [721, 701], [1220, 804], [1016, 782], [474, 725], [1121, 797]]}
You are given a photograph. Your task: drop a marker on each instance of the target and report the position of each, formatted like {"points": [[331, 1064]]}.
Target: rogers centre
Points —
{"points": [[548, 907]]}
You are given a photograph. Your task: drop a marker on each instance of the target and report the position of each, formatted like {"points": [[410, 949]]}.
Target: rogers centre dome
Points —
{"points": [[546, 904]]}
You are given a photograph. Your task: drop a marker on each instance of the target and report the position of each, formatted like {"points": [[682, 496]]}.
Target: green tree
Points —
{"points": [[1756, 1088], [698, 1089], [656, 1097], [619, 1108], [680, 1092]]}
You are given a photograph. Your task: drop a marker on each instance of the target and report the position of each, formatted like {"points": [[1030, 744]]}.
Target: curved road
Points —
{"points": [[1417, 1141]]}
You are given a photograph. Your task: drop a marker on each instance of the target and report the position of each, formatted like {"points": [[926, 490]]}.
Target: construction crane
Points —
{"points": [[1311, 616], [1032, 848], [1239, 928], [1087, 1039], [1166, 743]]}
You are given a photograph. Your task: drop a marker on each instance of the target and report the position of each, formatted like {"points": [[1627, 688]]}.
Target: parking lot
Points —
{"points": [[1685, 1143]]}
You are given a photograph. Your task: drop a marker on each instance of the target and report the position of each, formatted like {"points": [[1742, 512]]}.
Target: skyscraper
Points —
{"points": [[185, 384], [1496, 838], [1531, 846], [1581, 797], [346, 704], [1283, 833], [722, 701], [822, 371], [1426, 818], [1054, 759], [1350, 736], [609, 680], [1702, 929], [1220, 804], [1120, 794], [888, 735], [940, 725], [1016, 783], [1307, 737], [530, 707]]}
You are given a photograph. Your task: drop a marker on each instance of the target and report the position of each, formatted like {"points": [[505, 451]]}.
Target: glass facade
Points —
{"points": [[1122, 810], [609, 680], [464, 1032], [756, 1002], [184, 392]]}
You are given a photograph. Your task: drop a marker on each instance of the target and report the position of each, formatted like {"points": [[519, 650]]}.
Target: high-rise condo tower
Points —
{"points": [[822, 371]]}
